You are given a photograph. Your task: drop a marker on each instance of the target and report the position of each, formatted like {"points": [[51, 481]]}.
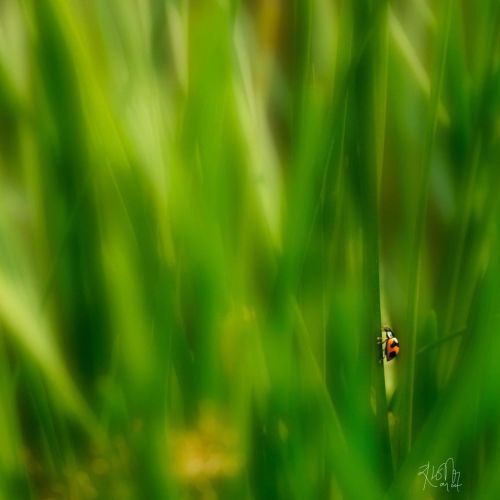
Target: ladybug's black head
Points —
{"points": [[388, 332]]}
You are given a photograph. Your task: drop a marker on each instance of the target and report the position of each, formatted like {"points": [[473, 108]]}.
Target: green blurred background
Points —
{"points": [[207, 211]]}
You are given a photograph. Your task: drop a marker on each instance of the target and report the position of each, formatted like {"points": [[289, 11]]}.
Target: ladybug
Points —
{"points": [[391, 349]]}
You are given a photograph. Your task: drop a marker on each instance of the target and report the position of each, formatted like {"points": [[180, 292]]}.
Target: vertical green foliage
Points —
{"points": [[360, 159], [207, 210], [420, 213]]}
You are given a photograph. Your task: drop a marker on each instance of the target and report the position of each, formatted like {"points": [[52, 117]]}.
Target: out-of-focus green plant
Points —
{"points": [[207, 211]]}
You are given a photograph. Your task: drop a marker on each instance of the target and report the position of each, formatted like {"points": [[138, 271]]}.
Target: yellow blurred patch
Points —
{"points": [[207, 452]]}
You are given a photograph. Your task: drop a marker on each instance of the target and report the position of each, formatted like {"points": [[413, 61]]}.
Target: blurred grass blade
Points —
{"points": [[27, 326]]}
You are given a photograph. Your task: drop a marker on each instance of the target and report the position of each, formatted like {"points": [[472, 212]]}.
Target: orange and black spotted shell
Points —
{"points": [[391, 348]]}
